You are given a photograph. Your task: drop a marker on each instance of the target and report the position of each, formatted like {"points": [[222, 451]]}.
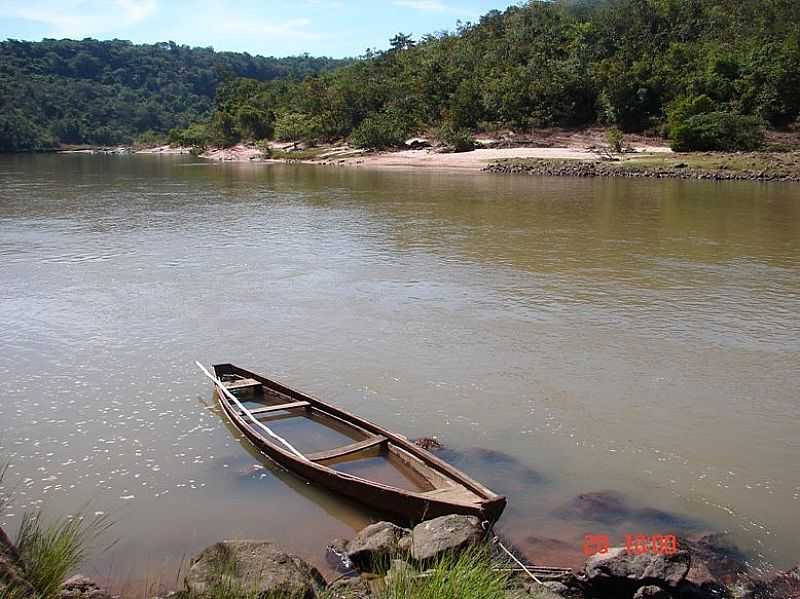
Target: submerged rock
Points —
{"points": [[651, 591], [785, 585], [452, 533], [500, 471], [724, 561], [376, 544], [428, 443], [81, 587], [609, 507], [622, 571], [545, 551], [252, 567]]}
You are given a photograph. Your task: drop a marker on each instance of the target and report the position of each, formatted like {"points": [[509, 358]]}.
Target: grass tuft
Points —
{"points": [[51, 552], [469, 574]]}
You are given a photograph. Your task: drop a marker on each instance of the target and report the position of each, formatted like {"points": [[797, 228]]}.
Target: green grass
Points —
{"points": [[469, 574], [50, 553]]}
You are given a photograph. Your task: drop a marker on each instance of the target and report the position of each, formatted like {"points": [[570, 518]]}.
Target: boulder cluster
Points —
{"points": [[383, 551]]}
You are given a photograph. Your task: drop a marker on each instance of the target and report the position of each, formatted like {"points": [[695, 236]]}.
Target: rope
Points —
{"points": [[247, 413], [519, 563], [496, 540]]}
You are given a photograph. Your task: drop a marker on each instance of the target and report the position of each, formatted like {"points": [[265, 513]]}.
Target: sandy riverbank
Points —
{"points": [[476, 160]]}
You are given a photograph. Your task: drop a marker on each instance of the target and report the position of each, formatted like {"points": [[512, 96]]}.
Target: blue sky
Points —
{"points": [[270, 27]]}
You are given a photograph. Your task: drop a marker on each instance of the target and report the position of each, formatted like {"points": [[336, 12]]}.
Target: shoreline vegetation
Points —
{"points": [[701, 75], [554, 153]]}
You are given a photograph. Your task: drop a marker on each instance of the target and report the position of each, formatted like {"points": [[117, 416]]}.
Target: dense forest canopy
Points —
{"points": [[106, 92], [657, 65], [707, 73]]}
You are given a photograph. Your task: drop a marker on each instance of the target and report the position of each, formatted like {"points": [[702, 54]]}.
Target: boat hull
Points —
{"points": [[410, 506]]}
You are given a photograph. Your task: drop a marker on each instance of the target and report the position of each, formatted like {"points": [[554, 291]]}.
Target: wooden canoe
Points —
{"points": [[374, 466]]}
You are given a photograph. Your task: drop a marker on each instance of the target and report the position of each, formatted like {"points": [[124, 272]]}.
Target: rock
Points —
{"points": [[81, 587], [559, 588], [785, 585], [699, 575], [12, 574], [651, 591], [354, 587], [724, 561], [427, 443], [257, 567], [336, 556], [453, 533], [622, 571], [375, 544], [608, 507]]}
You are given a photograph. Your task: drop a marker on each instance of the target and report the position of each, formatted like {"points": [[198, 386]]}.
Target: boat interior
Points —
{"points": [[339, 444]]}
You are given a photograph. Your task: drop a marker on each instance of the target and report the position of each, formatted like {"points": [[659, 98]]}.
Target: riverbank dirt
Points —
{"points": [[551, 152], [715, 166]]}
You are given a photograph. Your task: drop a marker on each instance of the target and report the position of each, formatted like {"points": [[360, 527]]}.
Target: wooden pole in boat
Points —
{"points": [[221, 386]]}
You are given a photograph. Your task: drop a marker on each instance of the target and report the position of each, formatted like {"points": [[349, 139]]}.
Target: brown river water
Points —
{"points": [[559, 337]]}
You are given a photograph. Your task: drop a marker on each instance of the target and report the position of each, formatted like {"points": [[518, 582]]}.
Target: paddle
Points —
{"points": [[255, 421]]}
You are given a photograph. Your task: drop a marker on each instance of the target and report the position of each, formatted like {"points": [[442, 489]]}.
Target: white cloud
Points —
{"points": [[290, 28], [423, 5], [80, 18], [137, 10]]}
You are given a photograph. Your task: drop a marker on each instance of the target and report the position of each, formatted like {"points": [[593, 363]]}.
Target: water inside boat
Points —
{"points": [[311, 431]]}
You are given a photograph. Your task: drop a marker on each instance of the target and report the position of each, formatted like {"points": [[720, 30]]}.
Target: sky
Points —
{"points": [[335, 28]]}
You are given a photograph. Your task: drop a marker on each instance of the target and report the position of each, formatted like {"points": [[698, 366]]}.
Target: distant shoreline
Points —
{"points": [[565, 156]]}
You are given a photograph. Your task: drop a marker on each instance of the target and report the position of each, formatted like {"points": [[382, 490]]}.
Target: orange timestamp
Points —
{"points": [[638, 544]]}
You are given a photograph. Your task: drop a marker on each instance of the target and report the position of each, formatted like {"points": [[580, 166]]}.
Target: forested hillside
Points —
{"points": [[709, 73], [106, 92]]}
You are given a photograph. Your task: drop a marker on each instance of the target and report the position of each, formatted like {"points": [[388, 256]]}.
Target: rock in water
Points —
{"points": [[349, 588], [608, 507], [12, 575], [785, 585], [651, 591], [252, 567], [444, 534], [623, 571], [376, 544], [81, 587]]}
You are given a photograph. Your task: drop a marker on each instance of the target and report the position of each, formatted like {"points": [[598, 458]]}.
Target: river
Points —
{"points": [[559, 337]]}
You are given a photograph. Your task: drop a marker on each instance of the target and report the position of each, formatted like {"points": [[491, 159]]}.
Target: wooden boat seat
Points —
{"points": [[242, 384], [344, 450], [457, 494], [278, 408]]}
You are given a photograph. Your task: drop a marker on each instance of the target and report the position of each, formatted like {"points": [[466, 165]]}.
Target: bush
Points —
{"points": [[195, 136], [293, 126], [378, 131], [150, 138], [686, 107], [723, 131], [457, 139], [222, 130], [616, 140]]}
